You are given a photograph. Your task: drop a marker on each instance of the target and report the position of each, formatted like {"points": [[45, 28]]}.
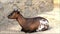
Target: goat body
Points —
{"points": [[30, 24]]}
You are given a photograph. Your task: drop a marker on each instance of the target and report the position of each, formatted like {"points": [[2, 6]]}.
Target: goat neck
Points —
{"points": [[21, 20]]}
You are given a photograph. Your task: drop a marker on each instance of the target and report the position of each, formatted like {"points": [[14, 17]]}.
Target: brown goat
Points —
{"points": [[30, 24]]}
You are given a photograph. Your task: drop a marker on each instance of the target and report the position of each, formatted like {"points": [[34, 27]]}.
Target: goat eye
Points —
{"points": [[17, 12]]}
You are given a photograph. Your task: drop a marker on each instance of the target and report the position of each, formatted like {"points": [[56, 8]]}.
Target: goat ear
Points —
{"points": [[15, 10]]}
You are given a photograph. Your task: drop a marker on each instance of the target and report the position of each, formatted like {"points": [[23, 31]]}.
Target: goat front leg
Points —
{"points": [[22, 29]]}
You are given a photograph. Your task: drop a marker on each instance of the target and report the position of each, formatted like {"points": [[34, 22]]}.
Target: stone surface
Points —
{"points": [[40, 6], [28, 3]]}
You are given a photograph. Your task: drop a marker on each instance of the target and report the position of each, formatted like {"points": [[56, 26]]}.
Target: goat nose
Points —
{"points": [[8, 16]]}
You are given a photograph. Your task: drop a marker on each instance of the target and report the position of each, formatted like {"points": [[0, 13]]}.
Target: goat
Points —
{"points": [[30, 24]]}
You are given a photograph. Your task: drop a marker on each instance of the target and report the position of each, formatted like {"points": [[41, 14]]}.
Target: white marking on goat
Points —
{"points": [[43, 21], [40, 28], [42, 24]]}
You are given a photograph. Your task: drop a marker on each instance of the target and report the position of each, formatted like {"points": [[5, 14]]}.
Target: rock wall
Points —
{"points": [[29, 8]]}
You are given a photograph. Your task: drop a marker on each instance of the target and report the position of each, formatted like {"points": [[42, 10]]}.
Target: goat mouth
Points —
{"points": [[8, 16]]}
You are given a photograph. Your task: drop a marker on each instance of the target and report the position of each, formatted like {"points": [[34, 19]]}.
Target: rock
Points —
{"points": [[28, 3], [27, 12], [46, 6], [11, 1], [1, 6], [40, 6], [3, 1], [6, 1]]}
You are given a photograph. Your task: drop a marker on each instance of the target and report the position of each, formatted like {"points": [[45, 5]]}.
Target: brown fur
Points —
{"points": [[27, 24]]}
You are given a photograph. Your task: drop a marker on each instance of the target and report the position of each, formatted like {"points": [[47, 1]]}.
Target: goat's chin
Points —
{"points": [[10, 18]]}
